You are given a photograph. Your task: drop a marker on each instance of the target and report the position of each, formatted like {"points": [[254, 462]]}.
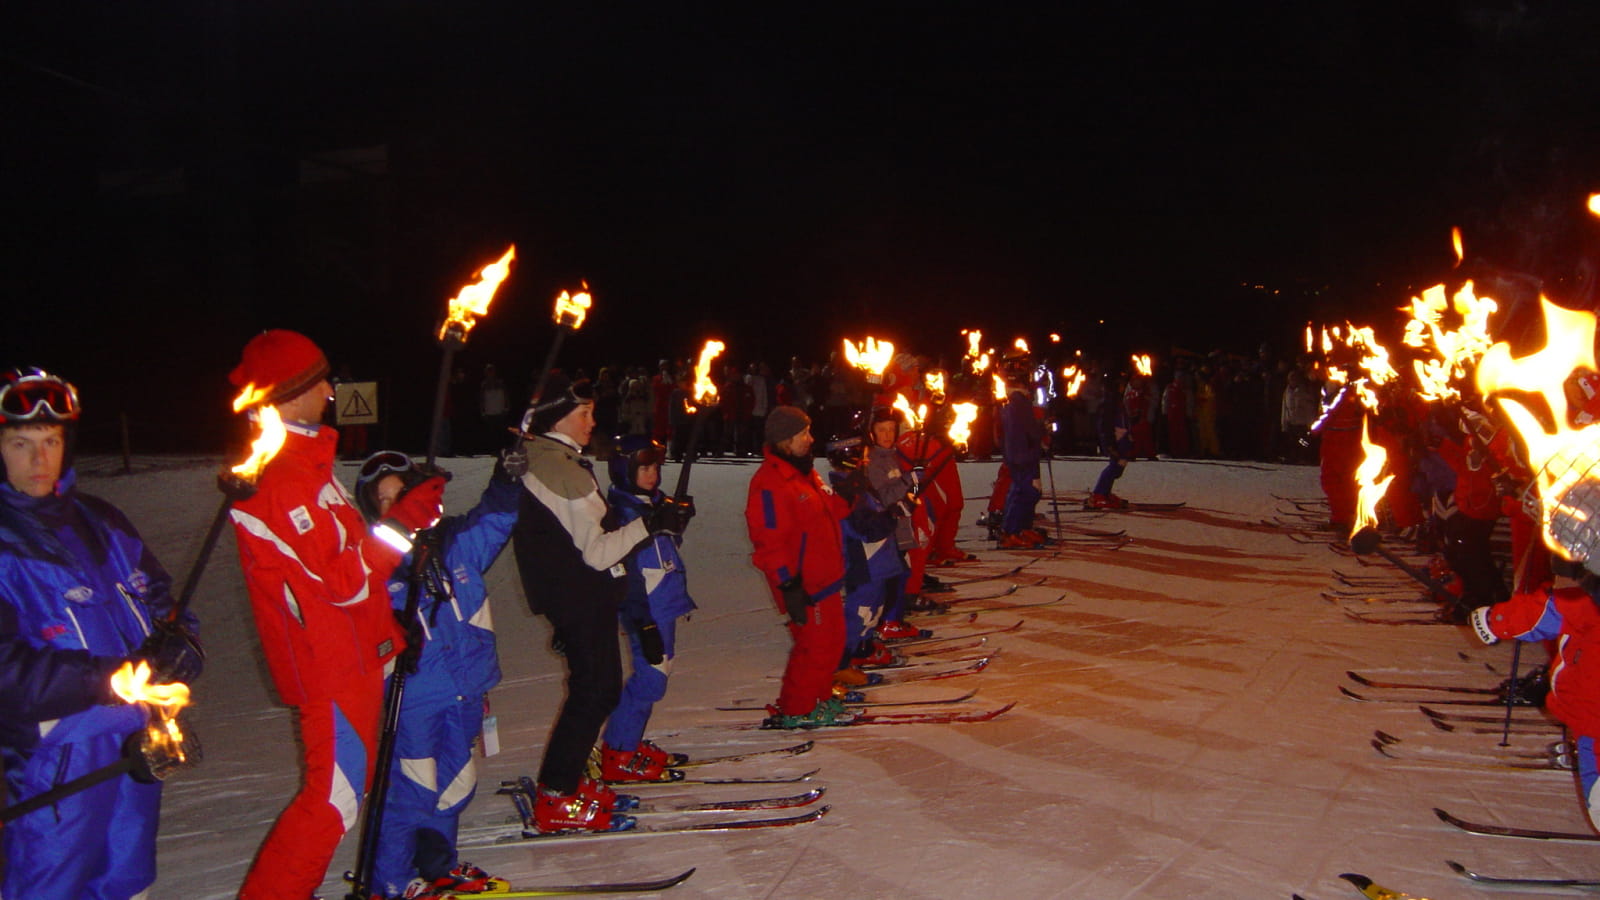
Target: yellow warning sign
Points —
{"points": [[355, 403]]}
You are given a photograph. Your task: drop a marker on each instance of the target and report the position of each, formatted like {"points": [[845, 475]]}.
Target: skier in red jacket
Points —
{"points": [[318, 589]]}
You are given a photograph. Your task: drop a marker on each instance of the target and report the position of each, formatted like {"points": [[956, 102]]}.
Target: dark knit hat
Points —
{"points": [[785, 422], [282, 363], [558, 398]]}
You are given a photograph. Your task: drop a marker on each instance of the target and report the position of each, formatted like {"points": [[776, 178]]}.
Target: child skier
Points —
{"points": [[657, 596], [433, 775]]}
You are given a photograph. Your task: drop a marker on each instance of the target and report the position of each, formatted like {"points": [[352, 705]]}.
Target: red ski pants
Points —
{"points": [[340, 739], [818, 647]]}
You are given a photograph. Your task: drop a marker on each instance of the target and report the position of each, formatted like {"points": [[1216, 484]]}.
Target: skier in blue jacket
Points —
{"points": [[434, 776], [80, 594], [657, 595]]}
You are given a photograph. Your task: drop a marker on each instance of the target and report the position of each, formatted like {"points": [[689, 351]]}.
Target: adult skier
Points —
{"points": [[657, 596], [1022, 436], [572, 571], [434, 775], [1116, 436], [317, 580], [80, 594], [793, 521]]}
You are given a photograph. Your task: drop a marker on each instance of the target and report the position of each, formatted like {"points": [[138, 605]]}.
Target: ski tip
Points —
{"points": [[1385, 736], [674, 882], [1351, 694], [1441, 724], [1361, 882], [1458, 868], [1430, 712]]}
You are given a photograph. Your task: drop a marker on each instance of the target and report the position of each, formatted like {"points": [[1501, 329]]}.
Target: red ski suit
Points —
{"points": [[941, 493], [793, 520], [318, 590]]}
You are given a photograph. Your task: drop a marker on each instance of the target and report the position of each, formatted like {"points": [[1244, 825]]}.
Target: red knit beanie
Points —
{"points": [[283, 363]]}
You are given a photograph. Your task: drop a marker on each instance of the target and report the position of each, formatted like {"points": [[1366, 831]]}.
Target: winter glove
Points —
{"points": [[513, 464], [1480, 625], [419, 508], [795, 600], [669, 516], [650, 645], [173, 652]]}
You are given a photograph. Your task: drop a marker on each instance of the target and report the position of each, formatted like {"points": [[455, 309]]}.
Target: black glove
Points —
{"points": [[795, 600], [173, 652], [650, 645], [669, 516], [513, 464]]}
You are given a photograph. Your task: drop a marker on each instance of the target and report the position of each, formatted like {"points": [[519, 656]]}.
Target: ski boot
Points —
{"points": [[852, 677], [900, 631], [555, 813], [845, 695], [1106, 501], [932, 585], [631, 765], [1018, 541], [465, 878], [825, 713], [876, 653], [595, 789], [920, 603]]}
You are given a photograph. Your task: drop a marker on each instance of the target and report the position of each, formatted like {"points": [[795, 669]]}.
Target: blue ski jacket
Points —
{"points": [[658, 586], [459, 659]]}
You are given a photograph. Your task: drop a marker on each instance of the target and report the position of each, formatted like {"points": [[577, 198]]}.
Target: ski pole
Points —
{"points": [[1055, 505], [1511, 692]]}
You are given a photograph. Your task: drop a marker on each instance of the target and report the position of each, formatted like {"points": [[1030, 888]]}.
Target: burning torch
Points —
{"points": [[1364, 537], [571, 310], [150, 755], [461, 315], [703, 394]]}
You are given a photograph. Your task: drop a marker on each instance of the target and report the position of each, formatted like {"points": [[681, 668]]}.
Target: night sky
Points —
{"points": [[179, 176]]}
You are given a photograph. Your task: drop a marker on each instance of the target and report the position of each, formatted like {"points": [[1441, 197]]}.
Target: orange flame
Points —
{"points": [[131, 682], [1021, 344], [1567, 456], [1455, 241], [474, 299], [961, 424], [1594, 204], [572, 309], [1310, 339], [1372, 488], [934, 382], [979, 359], [265, 446], [872, 357], [1000, 392], [1141, 364], [1074, 378], [250, 396], [705, 390], [913, 417], [1452, 349], [1055, 338]]}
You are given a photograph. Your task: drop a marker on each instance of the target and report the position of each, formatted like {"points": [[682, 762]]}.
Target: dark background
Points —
{"points": [[179, 176]]}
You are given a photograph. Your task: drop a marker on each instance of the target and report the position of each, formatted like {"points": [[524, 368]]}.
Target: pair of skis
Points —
{"points": [[1374, 891]]}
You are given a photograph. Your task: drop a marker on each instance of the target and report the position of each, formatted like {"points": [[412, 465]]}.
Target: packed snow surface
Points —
{"points": [[1178, 732]]}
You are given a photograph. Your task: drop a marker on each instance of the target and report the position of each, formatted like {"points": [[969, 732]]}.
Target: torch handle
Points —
{"points": [[544, 370], [681, 491], [1420, 576], [440, 393], [192, 582]]}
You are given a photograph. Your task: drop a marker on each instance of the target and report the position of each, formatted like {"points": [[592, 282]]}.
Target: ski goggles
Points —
{"points": [[385, 462], [38, 396]]}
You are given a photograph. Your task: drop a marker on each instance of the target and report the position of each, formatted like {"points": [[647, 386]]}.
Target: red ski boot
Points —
{"points": [[554, 813]]}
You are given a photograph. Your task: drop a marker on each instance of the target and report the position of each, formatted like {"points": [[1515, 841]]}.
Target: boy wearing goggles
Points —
{"points": [[80, 594]]}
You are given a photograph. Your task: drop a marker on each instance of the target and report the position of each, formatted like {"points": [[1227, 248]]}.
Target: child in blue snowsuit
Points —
{"points": [[434, 775], [80, 593], [872, 559], [657, 595]]}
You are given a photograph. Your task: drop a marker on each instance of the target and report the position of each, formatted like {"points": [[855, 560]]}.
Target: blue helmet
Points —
{"points": [[630, 452]]}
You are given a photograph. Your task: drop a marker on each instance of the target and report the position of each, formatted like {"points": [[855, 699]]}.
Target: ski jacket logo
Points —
{"points": [[301, 519], [79, 594]]}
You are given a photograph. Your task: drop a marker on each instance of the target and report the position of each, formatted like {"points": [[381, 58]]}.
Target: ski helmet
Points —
{"points": [[883, 414], [630, 452], [845, 452], [31, 396], [373, 470]]}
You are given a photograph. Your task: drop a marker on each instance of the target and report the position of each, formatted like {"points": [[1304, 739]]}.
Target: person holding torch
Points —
{"points": [[80, 595], [317, 577]]}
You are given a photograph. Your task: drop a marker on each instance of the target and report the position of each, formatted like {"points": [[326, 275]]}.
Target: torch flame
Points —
{"points": [[1055, 338], [474, 299], [1453, 349], [571, 309], [1455, 241], [872, 357], [1594, 204], [914, 417], [1310, 339], [265, 446], [961, 424], [705, 390], [1372, 488], [1021, 344], [1141, 363], [934, 382], [1564, 459], [1000, 392], [1074, 378], [250, 396], [131, 682]]}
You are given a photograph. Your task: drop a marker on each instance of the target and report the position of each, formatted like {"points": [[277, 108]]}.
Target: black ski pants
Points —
{"points": [[586, 634]]}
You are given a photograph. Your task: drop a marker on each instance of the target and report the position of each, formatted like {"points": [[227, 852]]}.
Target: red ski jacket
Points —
{"points": [[1572, 619], [317, 578], [794, 524]]}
